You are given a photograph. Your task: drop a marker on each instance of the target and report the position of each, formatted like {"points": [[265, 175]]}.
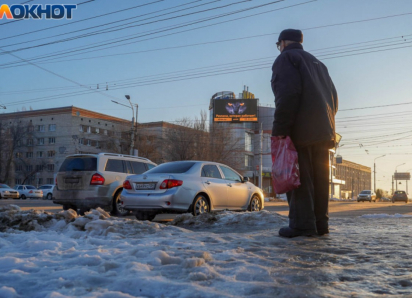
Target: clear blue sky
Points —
{"points": [[362, 80]]}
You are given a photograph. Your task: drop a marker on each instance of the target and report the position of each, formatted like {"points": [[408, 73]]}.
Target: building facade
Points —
{"points": [[33, 144], [356, 177]]}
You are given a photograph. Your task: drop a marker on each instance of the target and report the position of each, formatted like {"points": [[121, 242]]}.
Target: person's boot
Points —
{"points": [[290, 233], [322, 232]]}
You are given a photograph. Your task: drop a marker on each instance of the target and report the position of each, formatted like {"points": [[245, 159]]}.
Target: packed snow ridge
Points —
{"points": [[226, 254]]}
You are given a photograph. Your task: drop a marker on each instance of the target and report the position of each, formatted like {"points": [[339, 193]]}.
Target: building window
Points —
{"points": [[30, 128], [29, 154], [105, 132], [19, 168], [51, 153], [89, 142], [88, 129], [52, 127], [248, 142], [29, 142], [81, 128], [29, 168], [50, 167], [40, 181], [249, 162], [49, 181], [40, 154], [39, 168], [19, 155], [41, 128], [81, 141], [17, 181], [40, 141], [97, 130], [52, 140]]}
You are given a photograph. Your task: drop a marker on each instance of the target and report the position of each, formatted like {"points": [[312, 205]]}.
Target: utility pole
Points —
{"points": [[374, 172], [261, 156]]}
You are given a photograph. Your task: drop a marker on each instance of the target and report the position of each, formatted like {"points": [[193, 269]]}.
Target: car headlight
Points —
{"points": [[5, 191]]}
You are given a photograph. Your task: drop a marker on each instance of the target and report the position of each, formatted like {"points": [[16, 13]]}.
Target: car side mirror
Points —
{"points": [[245, 179]]}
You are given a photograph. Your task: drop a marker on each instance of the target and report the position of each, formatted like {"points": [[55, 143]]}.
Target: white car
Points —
{"points": [[7, 192], [86, 181], [189, 186], [47, 190], [29, 191]]}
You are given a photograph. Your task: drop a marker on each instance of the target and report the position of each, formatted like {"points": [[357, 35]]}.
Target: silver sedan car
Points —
{"points": [[189, 186]]}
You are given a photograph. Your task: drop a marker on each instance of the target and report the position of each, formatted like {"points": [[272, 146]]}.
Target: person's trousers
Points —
{"points": [[308, 204]]}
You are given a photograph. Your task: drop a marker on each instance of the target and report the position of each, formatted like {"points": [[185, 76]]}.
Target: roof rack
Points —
{"points": [[122, 155]]}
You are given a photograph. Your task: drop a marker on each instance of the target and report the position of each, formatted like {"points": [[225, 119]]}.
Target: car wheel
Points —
{"points": [[82, 211], [255, 204], [200, 205], [117, 206], [145, 216], [23, 197], [49, 196]]}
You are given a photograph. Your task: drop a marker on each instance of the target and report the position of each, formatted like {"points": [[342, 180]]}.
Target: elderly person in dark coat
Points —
{"points": [[306, 104]]}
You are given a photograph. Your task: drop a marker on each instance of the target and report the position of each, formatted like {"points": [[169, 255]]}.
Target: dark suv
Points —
{"points": [[400, 195]]}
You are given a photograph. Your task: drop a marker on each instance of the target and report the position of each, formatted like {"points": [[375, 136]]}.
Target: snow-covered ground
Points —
{"points": [[227, 254]]}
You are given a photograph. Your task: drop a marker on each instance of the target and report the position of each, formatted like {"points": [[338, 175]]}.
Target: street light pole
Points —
{"points": [[396, 170], [133, 131], [407, 182], [374, 172]]}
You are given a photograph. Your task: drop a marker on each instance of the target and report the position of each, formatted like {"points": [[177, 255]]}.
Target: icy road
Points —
{"points": [[217, 255]]}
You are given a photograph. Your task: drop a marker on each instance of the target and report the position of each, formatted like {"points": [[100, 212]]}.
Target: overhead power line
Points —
{"points": [[122, 20], [69, 53], [190, 76]]}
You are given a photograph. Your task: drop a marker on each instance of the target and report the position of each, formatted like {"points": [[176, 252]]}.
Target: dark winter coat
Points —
{"points": [[305, 97]]}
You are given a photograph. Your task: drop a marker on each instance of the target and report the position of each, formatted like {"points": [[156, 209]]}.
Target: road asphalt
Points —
{"points": [[336, 209]]}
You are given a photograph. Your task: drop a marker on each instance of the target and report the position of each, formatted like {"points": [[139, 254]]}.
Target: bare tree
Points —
{"points": [[191, 139], [13, 134]]}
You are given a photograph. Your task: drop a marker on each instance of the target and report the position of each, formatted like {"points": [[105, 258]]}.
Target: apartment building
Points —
{"points": [[34, 143]]}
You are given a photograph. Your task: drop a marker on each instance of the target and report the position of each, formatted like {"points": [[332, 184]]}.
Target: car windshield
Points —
{"points": [[172, 168], [30, 187], [4, 186], [44, 187], [366, 192], [79, 164]]}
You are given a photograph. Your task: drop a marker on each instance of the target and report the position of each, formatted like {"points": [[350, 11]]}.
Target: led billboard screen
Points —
{"points": [[235, 110]]}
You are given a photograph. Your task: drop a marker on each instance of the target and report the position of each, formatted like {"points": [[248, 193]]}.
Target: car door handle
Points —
{"points": [[207, 182], [229, 184]]}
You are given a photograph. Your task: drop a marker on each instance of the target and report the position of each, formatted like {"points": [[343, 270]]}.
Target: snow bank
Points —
{"points": [[228, 254], [384, 215], [229, 220]]}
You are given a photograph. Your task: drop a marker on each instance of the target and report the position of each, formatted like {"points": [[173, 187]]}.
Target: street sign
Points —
{"points": [[402, 176]]}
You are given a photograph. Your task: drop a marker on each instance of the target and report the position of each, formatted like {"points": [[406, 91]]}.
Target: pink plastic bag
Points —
{"points": [[285, 167]]}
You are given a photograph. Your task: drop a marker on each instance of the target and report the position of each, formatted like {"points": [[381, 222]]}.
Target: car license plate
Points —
{"points": [[71, 180], [145, 186]]}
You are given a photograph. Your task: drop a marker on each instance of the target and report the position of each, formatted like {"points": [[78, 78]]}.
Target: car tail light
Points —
{"points": [[31, 191], [97, 179], [127, 185], [170, 183]]}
